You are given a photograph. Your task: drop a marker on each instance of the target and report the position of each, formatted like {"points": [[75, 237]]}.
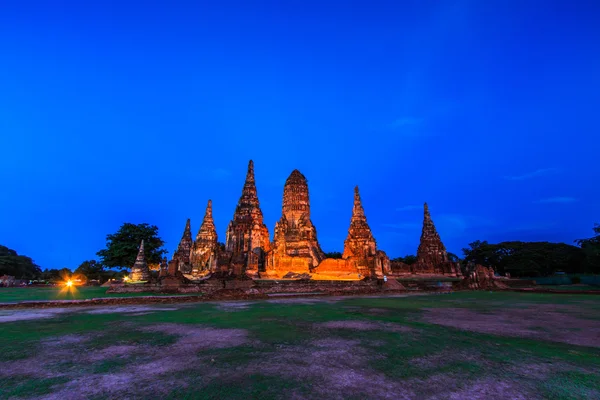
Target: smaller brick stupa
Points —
{"points": [[140, 271], [432, 257], [204, 250], [182, 254]]}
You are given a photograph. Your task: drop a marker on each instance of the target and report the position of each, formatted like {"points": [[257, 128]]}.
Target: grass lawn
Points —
{"points": [[13, 295], [569, 287], [470, 345]]}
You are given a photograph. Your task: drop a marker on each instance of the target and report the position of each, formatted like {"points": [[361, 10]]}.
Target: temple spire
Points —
{"points": [[139, 270], [249, 196], [246, 231], [360, 242], [357, 210], [208, 213], [431, 250], [182, 254], [208, 223], [141, 256], [188, 230], [250, 173], [428, 226]]}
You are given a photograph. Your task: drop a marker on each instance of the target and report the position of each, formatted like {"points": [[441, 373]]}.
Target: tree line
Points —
{"points": [[530, 259], [520, 259]]}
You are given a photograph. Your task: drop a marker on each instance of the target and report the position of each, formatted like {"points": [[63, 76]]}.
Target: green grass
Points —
{"points": [[15, 295], [578, 287], [24, 386], [464, 356]]}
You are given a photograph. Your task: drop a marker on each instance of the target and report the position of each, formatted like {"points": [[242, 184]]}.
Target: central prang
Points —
{"points": [[295, 197], [295, 235]]}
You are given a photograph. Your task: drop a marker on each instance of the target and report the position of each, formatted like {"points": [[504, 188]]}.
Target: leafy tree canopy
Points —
{"points": [[91, 269], [527, 258], [19, 266], [453, 257], [591, 248], [408, 259], [122, 246], [55, 275]]}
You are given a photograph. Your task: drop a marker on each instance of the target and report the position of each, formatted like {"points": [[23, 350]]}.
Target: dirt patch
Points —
{"points": [[116, 351], [440, 359], [230, 306], [129, 309], [65, 340], [493, 389], [365, 326], [543, 322], [154, 368], [298, 300], [336, 369], [194, 338], [13, 315]]}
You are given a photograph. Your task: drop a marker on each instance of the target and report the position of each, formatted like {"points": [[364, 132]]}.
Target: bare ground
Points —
{"points": [[13, 315], [154, 370], [335, 368], [361, 325], [129, 309], [543, 321]]}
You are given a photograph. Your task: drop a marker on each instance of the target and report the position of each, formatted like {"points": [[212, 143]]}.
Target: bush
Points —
{"points": [[575, 280]]}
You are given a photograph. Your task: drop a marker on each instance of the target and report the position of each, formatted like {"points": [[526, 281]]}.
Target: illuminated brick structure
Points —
{"points": [[140, 271]]}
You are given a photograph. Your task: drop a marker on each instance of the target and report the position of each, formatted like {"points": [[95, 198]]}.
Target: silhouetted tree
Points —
{"points": [[591, 248], [91, 269], [19, 266], [409, 259], [122, 246], [55, 275], [453, 257], [526, 258]]}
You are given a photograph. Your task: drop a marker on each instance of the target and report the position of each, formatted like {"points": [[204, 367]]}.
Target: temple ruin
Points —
{"points": [[140, 271], [295, 251], [183, 252], [295, 246], [432, 257], [204, 251]]}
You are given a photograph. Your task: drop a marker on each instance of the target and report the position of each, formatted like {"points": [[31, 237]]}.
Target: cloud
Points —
{"points": [[409, 208], [556, 200], [531, 175]]}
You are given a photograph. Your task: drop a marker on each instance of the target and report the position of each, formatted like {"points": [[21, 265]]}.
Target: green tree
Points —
{"points": [[19, 266], [122, 246], [91, 269], [591, 248], [453, 257], [526, 258], [409, 259], [56, 275]]}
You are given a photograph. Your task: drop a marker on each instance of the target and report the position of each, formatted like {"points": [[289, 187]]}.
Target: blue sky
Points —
{"points": [[114, 112]]}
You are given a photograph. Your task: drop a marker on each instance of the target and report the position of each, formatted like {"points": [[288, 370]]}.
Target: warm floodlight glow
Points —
{"points": [[126, 278], [69, 287]]}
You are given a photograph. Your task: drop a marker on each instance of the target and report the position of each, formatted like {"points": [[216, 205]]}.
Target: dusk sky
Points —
{"points": [[114, 112]]}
